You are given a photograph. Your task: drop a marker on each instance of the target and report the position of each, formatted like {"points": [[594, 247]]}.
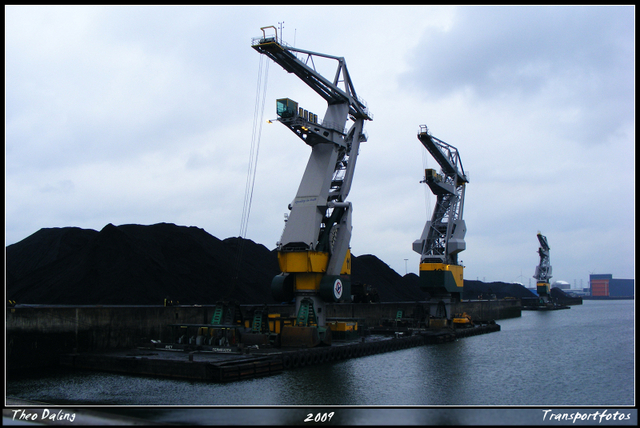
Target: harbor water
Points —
{"points": [[582, 356]]}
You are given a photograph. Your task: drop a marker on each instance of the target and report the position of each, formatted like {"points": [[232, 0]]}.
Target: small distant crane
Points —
{"points": [[543, 270]]}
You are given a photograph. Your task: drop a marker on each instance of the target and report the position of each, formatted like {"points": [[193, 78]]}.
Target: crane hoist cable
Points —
{"points": [[258, 120]]}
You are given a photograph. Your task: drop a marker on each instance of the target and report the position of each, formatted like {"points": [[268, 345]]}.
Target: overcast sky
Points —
{"points": [[138, 114]]}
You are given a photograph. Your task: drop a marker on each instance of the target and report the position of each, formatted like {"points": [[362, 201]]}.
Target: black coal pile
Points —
{"points": [[498, 290], [137, 265], [391, 286], [563, 298], [144, 265]]}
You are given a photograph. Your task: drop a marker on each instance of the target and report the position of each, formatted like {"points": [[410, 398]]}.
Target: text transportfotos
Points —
{"points": [[577, 416]]}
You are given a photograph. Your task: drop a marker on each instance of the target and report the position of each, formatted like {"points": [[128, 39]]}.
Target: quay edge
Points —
{"points": [[213, 367], [37, 335]]}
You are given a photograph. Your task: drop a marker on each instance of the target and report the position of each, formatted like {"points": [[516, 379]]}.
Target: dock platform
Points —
{"points": [[253, 362], [545, 308]]}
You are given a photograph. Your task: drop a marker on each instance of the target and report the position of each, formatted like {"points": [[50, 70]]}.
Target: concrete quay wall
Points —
{"points": [[37, 335], [372, 313], [487, 310]]}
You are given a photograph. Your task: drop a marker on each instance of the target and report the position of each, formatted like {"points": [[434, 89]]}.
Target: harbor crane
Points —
{"points": [[441, 275], [543, 270], [313, 251]]}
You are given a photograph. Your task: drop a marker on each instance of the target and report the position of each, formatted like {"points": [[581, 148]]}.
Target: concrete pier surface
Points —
{"points": [[37, 335]]}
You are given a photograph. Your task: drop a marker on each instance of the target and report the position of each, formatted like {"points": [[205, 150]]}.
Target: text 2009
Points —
{"points": [[320, 417]]}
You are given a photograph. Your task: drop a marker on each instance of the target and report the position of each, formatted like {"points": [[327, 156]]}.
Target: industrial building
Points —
{"points": [[604, 285], [563, 285]]}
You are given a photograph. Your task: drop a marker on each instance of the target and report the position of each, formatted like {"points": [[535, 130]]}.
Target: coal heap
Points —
{"points": [[391, 286], [485, 290], [562, 297], [144, 265], [137, 265]]}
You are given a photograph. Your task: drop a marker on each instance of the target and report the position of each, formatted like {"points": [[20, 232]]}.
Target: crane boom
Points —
{"points": [[443, 236], [445, 154], [330, 91], [313, 251]]}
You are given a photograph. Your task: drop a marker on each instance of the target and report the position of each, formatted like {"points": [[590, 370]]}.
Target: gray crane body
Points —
{"points": [[442, 238], [543, 270], [313, 250]]}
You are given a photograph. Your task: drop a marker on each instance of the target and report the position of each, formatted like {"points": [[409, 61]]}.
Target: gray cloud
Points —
{"points": [[576, 59]]}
